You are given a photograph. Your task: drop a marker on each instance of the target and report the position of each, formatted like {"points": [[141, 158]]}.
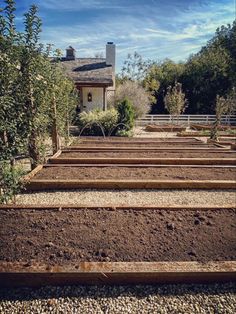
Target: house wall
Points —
{"points": [[97, 98]]}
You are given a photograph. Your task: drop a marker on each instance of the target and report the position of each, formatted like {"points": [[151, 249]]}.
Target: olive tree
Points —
{"points": [[224, 105], [175, 101]]}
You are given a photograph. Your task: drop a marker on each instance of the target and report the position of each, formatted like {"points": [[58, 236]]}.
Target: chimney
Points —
{"points": [[111, 55], [70, 53]]}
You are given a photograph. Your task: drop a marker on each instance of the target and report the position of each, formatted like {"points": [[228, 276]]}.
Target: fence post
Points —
{"points": [[188, 120]]}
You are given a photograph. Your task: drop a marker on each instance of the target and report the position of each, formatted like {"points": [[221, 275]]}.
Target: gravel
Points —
{"points": [[214, 298], [130, 197]]}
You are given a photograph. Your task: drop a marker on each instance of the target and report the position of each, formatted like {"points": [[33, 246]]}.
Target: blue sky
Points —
{"points": [[156, 29]]}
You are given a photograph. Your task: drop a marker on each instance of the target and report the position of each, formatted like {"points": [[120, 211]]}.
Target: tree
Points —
{"points": [[126, 114], [136, 94], [134, 68], [11, 123], [175, 101], [159, 76], [224, 105]]}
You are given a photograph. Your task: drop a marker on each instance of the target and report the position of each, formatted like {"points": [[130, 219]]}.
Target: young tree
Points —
{"points": [[224, 105], [175, 101]]}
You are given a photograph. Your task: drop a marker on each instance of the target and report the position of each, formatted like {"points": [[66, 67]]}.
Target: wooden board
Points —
{"points": [[112, 207], [37, 185], [18, 274], [154, 149]]}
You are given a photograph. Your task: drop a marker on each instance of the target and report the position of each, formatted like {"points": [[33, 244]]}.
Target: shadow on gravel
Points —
{"points": [[99, 292]]}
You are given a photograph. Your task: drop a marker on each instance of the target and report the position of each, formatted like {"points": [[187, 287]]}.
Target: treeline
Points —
{"points": [[210, 72], [36, 99]]}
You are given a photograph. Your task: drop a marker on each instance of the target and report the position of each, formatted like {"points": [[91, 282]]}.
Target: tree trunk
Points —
{"points": [[214, 129], [55, 136], [33, 150]]}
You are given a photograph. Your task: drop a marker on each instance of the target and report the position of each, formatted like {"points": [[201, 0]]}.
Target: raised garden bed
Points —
{"points": [[59, 237], [88, 245], [201, 134], [162, 157], [142, 144], [164, 128], [209, 127], [146, 173], [135, 140], [133, 177], [144, 147]]}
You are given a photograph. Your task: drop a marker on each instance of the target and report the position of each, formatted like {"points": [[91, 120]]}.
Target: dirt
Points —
{"points": [[144, 154], [70, 236], [156, 145], [136, 173], [132, 139]]}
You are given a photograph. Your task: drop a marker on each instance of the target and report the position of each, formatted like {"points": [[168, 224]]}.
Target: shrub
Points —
{"points": [[95, 121], [136, 94], [10, 182], [126, 115]]}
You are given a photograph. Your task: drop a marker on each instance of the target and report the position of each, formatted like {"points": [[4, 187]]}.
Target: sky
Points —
{"points": [[156, 29]]}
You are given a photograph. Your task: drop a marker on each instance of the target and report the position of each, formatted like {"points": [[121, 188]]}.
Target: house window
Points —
{"points": [[90, 98]]}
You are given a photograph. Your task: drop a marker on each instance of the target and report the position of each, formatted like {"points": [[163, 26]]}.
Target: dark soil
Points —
{"points": [[136, 173], [144, 154], [71, 236], [143, 144], [136, 139]]}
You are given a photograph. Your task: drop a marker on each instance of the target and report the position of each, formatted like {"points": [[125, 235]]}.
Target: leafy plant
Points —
{"points": [[96, 122], [10, 182], [175, 101], [126, 115]]}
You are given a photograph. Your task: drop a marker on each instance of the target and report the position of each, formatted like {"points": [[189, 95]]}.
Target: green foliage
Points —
{"points": [[134, 68], [126, 115], [175, 101], [35, 95], [97, 122], [10, 182], [224, 105]]}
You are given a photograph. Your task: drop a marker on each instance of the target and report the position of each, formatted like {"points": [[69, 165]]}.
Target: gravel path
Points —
{"points": [[178, 299], [130, 197]]}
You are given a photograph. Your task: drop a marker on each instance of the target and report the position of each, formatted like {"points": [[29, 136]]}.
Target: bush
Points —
{"points": [[136, 94], [126, 115], [10, 182], [95, 121]]}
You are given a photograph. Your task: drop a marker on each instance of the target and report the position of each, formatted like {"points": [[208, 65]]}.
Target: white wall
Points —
{"points": [[97, 98]]}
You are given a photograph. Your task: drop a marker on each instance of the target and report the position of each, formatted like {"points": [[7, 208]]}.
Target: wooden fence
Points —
{"points": [[183, 119]]}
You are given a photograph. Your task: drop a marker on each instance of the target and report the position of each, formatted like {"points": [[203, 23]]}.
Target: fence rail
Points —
{"points": [[184, 119]]}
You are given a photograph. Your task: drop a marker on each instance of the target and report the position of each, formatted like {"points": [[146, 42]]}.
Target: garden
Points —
{"points": [[135, 238]]}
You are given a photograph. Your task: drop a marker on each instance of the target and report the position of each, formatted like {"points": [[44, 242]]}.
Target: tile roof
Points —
{"points": [[88, 71]]}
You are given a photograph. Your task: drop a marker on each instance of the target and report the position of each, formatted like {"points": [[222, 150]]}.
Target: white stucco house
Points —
{"points": [[93, 77]]}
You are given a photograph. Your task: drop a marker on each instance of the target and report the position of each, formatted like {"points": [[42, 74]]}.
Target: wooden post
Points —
{"points": [[55, 136], [104, 99]]}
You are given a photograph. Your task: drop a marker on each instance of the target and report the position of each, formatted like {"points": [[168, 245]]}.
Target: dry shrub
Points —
{"points": [[136, 94]]}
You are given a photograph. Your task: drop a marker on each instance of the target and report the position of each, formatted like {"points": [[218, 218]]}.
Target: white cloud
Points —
{"points": [[153, 35]]}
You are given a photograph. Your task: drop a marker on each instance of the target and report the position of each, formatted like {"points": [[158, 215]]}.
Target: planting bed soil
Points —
{"points": [[135, 173], [143, 154], [164, 128], [132, 139], [70, 236], [143, 144]]}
